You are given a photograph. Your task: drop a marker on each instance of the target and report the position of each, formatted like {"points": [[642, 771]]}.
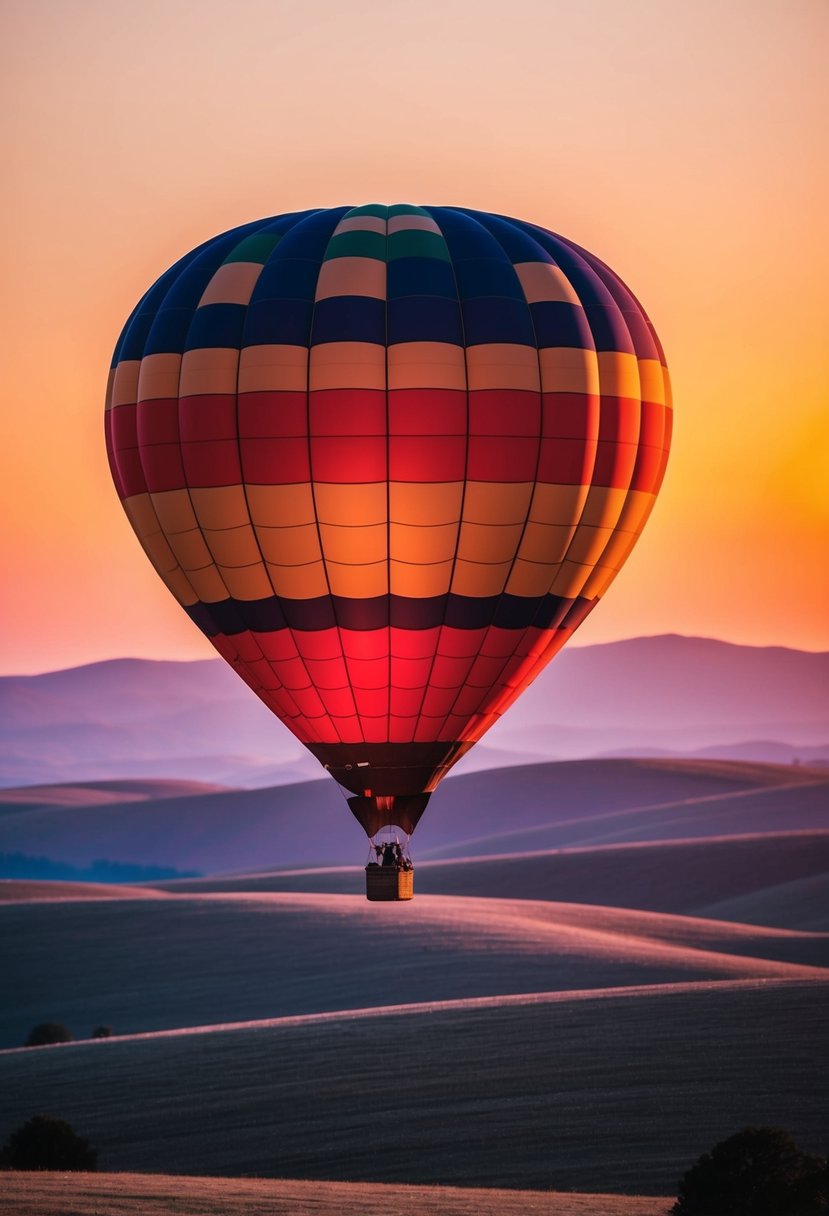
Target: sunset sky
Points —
{"points": [[684, 144]]}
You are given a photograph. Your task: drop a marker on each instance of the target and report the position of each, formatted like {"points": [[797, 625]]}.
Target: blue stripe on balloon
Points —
{"points": [[609, 329], [420, 277], [518, 245], [168, 332], [424, 319], [216, 325], [349, 319], [481, 277], [284, 278], [497, 320], [560, 324], [282, 322]]}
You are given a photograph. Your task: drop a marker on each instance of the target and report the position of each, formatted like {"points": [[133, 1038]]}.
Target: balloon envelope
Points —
{"points": [[388, 459]]}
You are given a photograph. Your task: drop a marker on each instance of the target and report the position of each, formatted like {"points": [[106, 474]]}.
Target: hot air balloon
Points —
{"points": [[388, 458]]}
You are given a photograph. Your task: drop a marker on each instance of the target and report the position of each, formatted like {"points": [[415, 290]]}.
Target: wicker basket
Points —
{"points": [[384, 883]]}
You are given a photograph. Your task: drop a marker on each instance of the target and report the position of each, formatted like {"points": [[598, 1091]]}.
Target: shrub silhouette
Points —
{"points": [[102, 1032], [48, 1032], [45, 1143], [758, 1172]]}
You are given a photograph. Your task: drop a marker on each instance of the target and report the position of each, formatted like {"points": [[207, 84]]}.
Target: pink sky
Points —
{"points": [[683, 144]]}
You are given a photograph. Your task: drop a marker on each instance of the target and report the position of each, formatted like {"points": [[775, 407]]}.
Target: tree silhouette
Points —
{"points": [[48, 1032], [758, 1172], [102, 1032], [45, 1143]]}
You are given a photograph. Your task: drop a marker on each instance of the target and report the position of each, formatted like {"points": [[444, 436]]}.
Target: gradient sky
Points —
{"points": [[685, 144]]}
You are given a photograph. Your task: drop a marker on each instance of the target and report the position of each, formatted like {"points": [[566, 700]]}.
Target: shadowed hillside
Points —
{"points": [[505, 810], [776, 879], [242, 957], [605, 1092]]}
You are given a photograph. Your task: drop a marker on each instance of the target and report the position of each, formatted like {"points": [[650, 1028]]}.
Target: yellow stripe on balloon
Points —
{"points": [[567, 369], [159, 377], [347, 365], [488, 502], [277, 506], [415, 581], [124, 386], [209, 370], [233, 283], [352, 276], [541, 281], [503, 365], [619, 374], [358, 505], [426, 365], [273, 368]]}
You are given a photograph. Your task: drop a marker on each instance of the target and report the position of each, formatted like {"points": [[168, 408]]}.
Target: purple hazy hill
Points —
{"points": [[575, 804], [670, 695]]}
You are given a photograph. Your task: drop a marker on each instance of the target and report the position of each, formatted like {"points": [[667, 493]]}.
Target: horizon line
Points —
{"points": [[645, 637]]}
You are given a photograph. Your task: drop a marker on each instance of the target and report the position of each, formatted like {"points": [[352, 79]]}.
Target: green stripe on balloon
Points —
{"points": [[376, 210], [412, 243], [256, 248], [357, 245]]}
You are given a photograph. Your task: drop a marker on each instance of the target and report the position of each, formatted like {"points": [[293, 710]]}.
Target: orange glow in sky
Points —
{"points": [[684, 144]]}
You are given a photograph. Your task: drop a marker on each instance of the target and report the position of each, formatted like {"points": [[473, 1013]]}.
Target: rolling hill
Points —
{"points": [[238, 958], [517, 809], [599, 1091], [777, 879], [610, 964]]}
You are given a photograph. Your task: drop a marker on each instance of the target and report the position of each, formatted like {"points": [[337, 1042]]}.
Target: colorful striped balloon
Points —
{"points": [[388, 459]]}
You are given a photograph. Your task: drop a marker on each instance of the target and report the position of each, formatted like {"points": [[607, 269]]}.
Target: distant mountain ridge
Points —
{"points": [[664, 695]]}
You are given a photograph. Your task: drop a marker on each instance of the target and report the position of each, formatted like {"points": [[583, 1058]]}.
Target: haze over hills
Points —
{"points": [[574, 804], [132, 718]]}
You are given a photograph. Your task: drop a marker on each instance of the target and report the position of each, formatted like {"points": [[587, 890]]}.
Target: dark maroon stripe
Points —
{"points": [[456, 611], [385, 768]]}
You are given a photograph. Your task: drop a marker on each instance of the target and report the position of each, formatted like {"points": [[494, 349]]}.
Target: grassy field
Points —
{"points": [[587, 1018], [162, 1195], [188, 960], [615, 1092], [693, 877]]}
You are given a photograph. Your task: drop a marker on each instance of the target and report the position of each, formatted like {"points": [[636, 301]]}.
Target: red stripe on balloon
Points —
{"points": [[273, 415], [427, 411], [347, 412]]}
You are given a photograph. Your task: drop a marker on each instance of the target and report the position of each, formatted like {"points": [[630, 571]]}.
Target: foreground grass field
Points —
{"points": [[189, 960], [162, 1195], [604, 1091]]}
